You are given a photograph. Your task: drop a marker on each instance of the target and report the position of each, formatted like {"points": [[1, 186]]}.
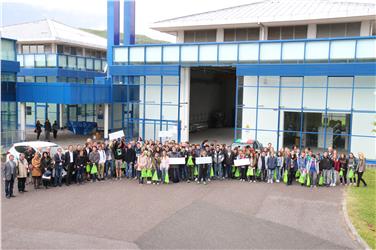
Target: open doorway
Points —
{"points": [[212, 104]]}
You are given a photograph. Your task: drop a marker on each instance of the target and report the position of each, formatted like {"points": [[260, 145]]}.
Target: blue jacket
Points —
{"points": [[272, 162]]}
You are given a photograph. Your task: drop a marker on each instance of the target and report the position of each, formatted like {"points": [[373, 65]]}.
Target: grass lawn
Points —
{"points": [[361, 206]]}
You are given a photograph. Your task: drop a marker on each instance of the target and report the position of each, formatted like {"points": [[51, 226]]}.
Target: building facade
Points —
{"points": [[9, 70], [59, 68], [304, 73]]}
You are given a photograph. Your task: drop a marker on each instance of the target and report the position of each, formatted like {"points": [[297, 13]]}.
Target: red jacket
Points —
{"points": [[337, 164]]}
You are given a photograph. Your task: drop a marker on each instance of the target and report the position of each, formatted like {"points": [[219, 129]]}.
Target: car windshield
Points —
{"points": [[53, 150]]}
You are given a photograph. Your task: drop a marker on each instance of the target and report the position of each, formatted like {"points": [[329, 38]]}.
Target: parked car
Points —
{"points": [[21, 147], [256, 145]]}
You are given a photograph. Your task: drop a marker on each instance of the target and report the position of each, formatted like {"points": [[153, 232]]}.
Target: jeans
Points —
{"points": [[327, 176], [176, 174], [140, 179], [313, 178], [79, 174], [183, 172], [21, 184], [129, 171], [9, 187], [218, 170], [228, 171], [277, 169], [58, 175], [208, 171], [164, 172], [271, 174], [360, 179], [109, 166], [334, 174], [343, 179]]}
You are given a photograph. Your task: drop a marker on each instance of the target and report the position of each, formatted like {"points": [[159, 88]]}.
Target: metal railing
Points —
{"points": [[51, 60], [325, 50]]}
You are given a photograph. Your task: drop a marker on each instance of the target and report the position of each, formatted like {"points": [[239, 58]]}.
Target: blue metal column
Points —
{"points": [[113, 27], [129, 22]]}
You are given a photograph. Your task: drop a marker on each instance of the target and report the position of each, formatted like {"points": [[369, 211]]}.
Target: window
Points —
{"points": [[29, 79], [40, 79], [60, 49], [200, 36], [287, 32], [28, 110], [8, 51], [244, 34], [33, 49], [338, 30], [40, 49], [25, 49], [47, 48]]}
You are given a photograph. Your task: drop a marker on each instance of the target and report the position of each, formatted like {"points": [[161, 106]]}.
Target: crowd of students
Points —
{"points": [[150, 162]]}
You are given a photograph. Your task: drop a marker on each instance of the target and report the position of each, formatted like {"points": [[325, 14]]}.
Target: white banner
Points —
{"points": [[177, 161], [204, 160], [116, 135], [242, 162]]}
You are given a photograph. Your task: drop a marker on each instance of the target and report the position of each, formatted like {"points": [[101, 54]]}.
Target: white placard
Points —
{"points": [[165, 134], [242, 162], [204, 160], [116, 135], [177, 161]]}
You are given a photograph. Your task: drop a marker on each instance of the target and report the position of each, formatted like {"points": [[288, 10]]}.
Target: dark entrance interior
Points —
{"points": [[212, 103]]}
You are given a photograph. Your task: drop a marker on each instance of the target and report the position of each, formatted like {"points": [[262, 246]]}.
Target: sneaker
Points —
{"points": [[198, 182], [277, 181], [188, 181], [204, 182], [254, 181]]}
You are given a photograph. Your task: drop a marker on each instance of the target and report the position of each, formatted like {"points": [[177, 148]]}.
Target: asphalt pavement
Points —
{"points": [[221, 215]]}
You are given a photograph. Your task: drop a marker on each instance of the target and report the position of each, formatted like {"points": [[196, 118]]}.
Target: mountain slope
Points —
{"points": [[140, 39]]}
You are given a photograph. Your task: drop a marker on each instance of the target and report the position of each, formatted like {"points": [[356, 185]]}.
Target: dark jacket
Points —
{"points": [[80, 161], [229, 158], [325, 164], [130, 155], [59, 160], [68, 159], [47, 127]]}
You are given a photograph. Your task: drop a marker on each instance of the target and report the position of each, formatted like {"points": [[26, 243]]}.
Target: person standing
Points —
{"points": [[351, 169], [343, 169], [130, 158], [94, 160], [70, 159], [218, 158], [36, 171], [313, 169], [9, 176], [261, 165], [59, 163], [203, 169], [361, 168], [80, 166], [325, 167], [229, 161], [55, 128], [119, 156], [164, 165], [22, 168], [272, 164], [102, 161], [38, 129], [47, 129], [46, 167]]}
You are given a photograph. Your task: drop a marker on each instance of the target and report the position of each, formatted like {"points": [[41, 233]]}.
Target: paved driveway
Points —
{"points": [[220, 215]]}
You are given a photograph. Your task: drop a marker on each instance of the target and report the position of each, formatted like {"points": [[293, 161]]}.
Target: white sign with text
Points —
{"points": [[204, 160]]}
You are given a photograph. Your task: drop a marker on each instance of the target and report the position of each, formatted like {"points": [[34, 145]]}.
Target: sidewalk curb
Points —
{"points": [[350, 226]]}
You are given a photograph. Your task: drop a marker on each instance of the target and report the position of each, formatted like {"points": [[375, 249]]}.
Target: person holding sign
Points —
{"points": [[202, 176]]}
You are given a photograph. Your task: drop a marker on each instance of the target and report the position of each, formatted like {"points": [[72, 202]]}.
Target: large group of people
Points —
{"points": [[152, 162]]}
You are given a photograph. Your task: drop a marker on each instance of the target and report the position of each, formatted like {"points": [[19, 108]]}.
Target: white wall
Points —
{"points": [[185, 75]]}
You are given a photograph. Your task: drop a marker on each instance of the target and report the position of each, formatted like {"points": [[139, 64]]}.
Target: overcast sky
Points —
{"points": [[92, 13]]}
